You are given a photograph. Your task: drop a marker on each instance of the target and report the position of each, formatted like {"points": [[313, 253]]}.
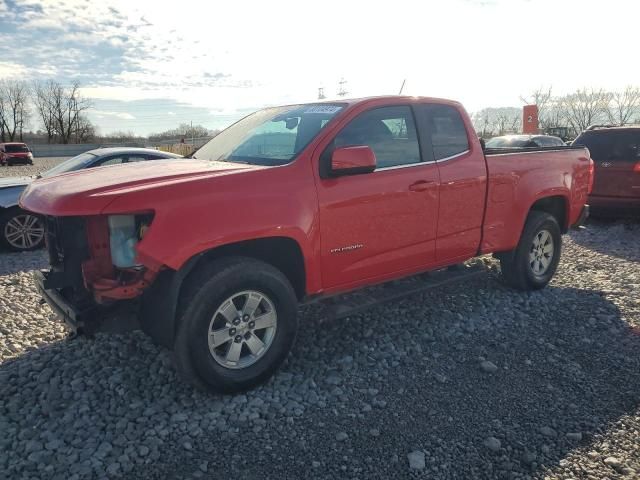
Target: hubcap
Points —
{"points": [[541, 253], [242, 329], [24, 231]]}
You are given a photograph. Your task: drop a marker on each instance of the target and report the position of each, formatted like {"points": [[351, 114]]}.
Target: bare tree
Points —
{"points": [[624, 105], [184, 130], [14, 108], [555, 113], [61, 111], [543, 98], [86, 131], [516, 123], [69, 105], [586, 107], [120, 136], [43, 93], [481, 123], [502, 122], [497, 121]]}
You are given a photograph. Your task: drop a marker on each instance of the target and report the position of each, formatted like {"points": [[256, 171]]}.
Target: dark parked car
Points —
{"points": [[15, 153], [20, 230], [616, 155], [524, 141]]}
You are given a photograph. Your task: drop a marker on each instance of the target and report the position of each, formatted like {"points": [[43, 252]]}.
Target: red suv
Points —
{"points": [[616, 154], [14, 153]]}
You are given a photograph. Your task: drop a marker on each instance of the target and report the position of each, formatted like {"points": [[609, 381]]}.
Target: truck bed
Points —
{"points": [[518, 177]]}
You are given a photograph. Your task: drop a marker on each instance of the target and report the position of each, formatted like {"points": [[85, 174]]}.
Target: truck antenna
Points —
{"points": [[402, 87]]}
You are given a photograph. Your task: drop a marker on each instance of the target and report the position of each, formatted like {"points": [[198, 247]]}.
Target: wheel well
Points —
{"points": [[160, 302], [556, 206], [282, 252]]}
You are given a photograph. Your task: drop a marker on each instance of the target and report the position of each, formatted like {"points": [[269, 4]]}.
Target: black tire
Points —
{"points": [[6, 243], [207, 290], [518, 271]]}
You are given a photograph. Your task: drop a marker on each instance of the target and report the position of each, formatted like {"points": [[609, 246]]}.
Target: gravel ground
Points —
{"points": [[40, 164], [468, 381]]}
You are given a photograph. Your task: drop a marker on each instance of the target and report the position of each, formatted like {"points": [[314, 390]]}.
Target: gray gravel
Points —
{"points": [[40, 164], [468, 381]]}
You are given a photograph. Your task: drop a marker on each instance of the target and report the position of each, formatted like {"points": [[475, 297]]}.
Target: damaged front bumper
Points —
{"points": [[76, 318]]}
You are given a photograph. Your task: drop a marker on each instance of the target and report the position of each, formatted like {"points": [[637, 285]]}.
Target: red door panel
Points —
{"points": [[377, 223], [463, 180], [382, 223]]}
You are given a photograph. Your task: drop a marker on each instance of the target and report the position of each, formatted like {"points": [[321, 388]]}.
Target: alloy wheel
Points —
{"points": [[24, 231], [242, 329], [541, 253]]}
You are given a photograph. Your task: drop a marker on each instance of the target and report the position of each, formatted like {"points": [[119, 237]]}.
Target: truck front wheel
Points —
{"points": [[238, 323], [532, 264]]}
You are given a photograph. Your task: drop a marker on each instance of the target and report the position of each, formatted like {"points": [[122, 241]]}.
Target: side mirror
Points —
{"points": [[352, 160], [291, 123]]}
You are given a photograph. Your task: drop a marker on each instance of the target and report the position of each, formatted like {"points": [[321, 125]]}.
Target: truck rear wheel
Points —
{"points": [[532, 264], [238, 323]]}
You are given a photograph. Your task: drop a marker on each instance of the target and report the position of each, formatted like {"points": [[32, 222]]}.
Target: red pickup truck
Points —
{"points": [[294, 203]]}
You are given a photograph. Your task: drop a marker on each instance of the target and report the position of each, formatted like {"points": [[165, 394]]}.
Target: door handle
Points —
{"points": [[421, 185]]}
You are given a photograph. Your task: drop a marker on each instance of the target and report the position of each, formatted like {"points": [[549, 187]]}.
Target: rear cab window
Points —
{"points": [[446, 129]]}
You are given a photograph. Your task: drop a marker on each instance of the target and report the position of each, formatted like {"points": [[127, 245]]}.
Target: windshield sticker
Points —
{"points": [[323, 109]]}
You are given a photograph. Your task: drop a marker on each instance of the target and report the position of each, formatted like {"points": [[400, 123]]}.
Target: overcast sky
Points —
{"points": [[149, 65]]}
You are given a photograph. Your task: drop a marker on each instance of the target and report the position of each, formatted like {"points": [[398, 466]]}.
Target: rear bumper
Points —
{"points": [[584, 214], [72, 316]]}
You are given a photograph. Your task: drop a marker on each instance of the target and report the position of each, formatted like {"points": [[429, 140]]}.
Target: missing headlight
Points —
{"points": [[125, 231]]}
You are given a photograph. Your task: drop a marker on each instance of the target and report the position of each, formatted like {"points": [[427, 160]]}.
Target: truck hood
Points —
{"points": [[88, 192], [15, 181]]}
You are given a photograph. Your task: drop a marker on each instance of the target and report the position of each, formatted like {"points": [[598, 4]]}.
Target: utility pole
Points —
{"points": [[342, 91], [321, 95], [76, 117], [192, 142], [402, 87]]}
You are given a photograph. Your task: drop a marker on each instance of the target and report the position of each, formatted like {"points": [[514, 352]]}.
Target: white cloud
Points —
{"points": [[235, 55], [120, 115], [12, 70]]}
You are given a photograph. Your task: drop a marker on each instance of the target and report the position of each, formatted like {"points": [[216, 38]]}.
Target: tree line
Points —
{"points": [[62, 113], [573, 112], [183, 132], [61, 110]]}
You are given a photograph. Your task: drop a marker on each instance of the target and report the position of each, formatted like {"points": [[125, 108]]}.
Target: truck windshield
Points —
{"points": [[75, 163], [273, 136]]}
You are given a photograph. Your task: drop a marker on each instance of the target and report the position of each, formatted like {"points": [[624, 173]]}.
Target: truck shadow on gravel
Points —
{"points": [[356, 396], [611, 236]]}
